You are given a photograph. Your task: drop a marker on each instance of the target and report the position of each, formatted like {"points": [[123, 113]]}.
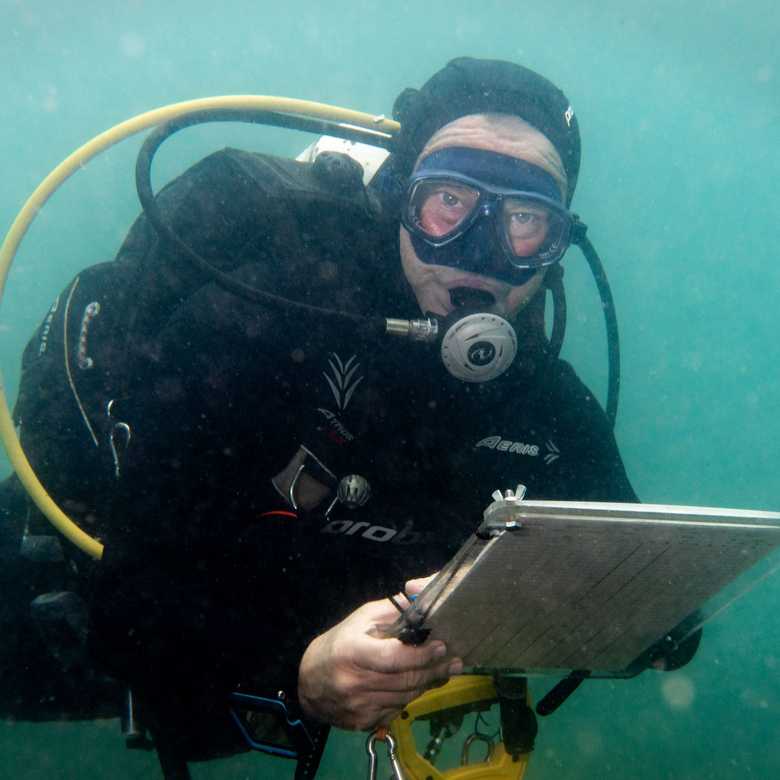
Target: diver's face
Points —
{"points": [[432, 283]]}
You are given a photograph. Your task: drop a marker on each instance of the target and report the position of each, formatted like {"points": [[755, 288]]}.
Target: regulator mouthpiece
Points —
{"points": [[477, 346]]}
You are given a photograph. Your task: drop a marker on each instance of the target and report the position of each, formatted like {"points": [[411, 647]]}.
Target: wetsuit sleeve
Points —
{"points": [[597, 472]]}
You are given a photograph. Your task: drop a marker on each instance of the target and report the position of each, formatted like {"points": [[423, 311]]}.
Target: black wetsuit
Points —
{"points": [[201, 590]]}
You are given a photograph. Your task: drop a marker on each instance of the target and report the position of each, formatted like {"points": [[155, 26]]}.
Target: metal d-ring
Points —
{"points": [[293, 483], [117, 429], [124, 428]]}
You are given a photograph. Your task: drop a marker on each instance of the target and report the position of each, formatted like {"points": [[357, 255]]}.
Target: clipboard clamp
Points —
{"points": [[499, 516]]}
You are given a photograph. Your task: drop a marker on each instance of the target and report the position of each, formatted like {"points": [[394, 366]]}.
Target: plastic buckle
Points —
{"points": [[267, 725]]}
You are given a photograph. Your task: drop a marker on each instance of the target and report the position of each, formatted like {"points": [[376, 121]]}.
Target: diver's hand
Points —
{"points": [[354, 680], [416, 587]]}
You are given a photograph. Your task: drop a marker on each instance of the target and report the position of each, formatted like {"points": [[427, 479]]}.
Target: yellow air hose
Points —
{"points": [[79, 158]]}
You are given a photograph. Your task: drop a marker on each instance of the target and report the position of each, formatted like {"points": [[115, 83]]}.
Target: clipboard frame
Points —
{"points": [[589, 589]]}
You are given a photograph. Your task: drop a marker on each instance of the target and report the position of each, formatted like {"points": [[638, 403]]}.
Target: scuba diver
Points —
{"points": [[265, 469]]}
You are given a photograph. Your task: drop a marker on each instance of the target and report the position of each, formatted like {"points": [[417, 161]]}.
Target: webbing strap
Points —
{"points": [[309, 763]]}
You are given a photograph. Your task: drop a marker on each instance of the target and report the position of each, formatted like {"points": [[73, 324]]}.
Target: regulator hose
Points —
{"points": [[143, 181], [610, 320]]}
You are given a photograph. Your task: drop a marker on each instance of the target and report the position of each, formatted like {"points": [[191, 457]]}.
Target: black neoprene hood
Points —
{"points": [[470, 86]]}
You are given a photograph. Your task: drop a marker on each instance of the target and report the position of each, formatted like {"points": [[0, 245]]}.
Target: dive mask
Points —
{"points": [[486, 213]]}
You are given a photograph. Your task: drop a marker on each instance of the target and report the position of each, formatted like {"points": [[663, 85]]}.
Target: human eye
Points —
{"points": [[525, 222], [528, 216], [442, 205], [453, 197], [449, 199]]}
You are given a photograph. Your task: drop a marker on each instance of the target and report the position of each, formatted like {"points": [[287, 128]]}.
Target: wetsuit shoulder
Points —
{"points": [[574, 409]]}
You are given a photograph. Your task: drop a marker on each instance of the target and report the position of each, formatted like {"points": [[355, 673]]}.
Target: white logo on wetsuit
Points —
{"points": [[336, 425], [343, 381], [374, 533], [500, 444], [44, 341]]}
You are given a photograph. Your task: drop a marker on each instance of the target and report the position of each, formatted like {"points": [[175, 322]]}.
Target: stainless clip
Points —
{"points": [[465, 756], [383, 736], [117, 428]]}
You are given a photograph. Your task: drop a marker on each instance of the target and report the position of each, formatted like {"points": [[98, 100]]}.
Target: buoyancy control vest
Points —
{"points": [[100, 341], [101, 337]]}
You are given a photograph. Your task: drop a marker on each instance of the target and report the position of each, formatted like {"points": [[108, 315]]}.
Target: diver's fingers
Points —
{"points": [[391, 656], [416, 586], [382, 611], [410, 681], [345, 669]]}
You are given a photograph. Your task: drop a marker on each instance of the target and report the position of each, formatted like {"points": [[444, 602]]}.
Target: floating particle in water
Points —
{"points": [[678, 691], [551, 757], [755, 699], [51, 101], [589, 742], [132, 45], [764, 74], [328, 270]]}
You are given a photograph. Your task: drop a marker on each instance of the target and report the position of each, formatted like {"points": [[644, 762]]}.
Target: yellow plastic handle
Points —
{"points": [[457, 692]]}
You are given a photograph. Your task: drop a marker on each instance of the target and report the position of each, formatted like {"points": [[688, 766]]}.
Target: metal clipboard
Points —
{"points": [[547, 587]]}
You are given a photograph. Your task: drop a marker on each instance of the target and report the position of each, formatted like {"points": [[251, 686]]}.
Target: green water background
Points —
{"points": [[678, 103]]}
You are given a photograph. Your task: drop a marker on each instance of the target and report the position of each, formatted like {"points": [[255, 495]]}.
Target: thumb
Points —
{"points": [[381, 611], [415, 587]]}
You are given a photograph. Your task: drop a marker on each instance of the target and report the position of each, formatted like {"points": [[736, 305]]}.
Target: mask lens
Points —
{"points": [[533, 230], [440, 208]]}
